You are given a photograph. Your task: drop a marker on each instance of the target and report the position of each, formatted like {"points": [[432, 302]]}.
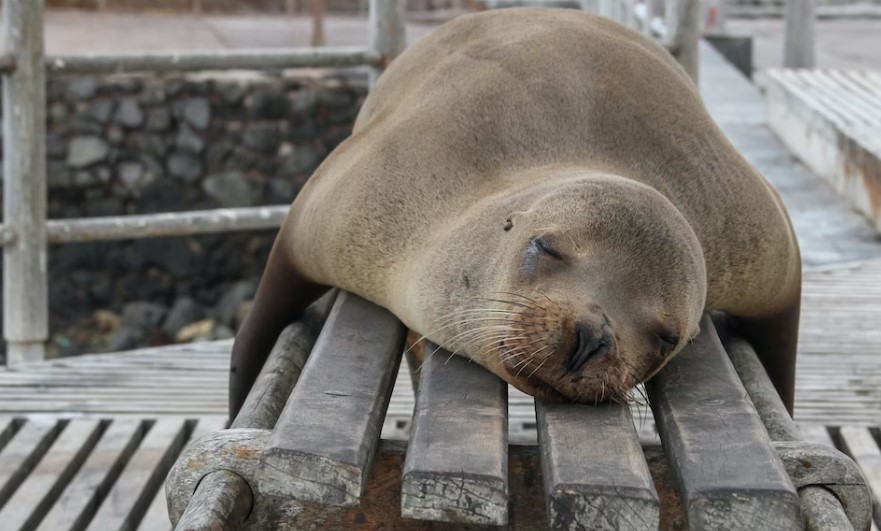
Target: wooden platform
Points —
{"points": [[86, 441], [831, 120]]}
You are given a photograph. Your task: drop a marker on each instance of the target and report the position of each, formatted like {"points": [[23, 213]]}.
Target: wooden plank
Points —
{"points": [[388, 32], [863, 448], [22, 453], [156, 517], [242, 59], [32, 500], [323, 443], [222, 502], [729, 475], [82, 496], [25, 273], [166, 224], [8, 427], [595, 473], [130, 496], [457, 461], [277, 378]]}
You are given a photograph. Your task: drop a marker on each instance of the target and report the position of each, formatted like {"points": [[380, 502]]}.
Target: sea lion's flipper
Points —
{"points": [[775, 339], [281, 298]]}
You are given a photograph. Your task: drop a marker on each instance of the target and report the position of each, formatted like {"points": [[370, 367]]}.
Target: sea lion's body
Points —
{"points": [[474, 131]]}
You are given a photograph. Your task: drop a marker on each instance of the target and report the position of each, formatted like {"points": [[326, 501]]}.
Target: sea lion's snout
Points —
{"points": [[590, 343]]}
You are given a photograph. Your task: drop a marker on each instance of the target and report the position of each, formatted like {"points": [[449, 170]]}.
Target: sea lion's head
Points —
{"points": [[576, 290]]}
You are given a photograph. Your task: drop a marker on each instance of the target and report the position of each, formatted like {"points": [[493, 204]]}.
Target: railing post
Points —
{"points": [[799, 38], [388, 32], [683, 33], [689, 36], [25, 293]]}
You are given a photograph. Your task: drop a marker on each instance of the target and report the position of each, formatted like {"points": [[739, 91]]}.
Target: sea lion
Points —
{"points": [[542, 191]]}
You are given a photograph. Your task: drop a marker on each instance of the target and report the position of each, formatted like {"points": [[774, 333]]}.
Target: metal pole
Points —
{"points": [[25, 293], [799, 51], [318, 23], [388, 32], [628, 18], [649, 17]]}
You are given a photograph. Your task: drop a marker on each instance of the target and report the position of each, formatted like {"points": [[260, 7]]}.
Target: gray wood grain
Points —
{"points": [[254, 59], [45, 483], [277, 378], [22, 453], [132, 493], [323, 444], [283, 367], [798, 51], [221, 503], [595, 473], [25, 270], [79, 501], [729, 475], [236, 450], [456, 468], [156, 518]]}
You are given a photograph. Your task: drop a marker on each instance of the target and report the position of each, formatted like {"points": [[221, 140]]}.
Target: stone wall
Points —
{"points": [[139, 145]]}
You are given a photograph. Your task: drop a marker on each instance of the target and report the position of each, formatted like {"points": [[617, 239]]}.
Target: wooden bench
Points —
{"points": [[305, 452], [831, 119]]}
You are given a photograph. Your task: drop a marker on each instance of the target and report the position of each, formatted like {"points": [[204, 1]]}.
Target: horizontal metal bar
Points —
{"points": [[7, 64], [251, 59], [165, 224]]}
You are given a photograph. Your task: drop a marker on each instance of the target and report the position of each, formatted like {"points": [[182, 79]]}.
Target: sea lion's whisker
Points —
{"points": [[488, 340], [514, 303], [540, 364], [512, 294], [466, 334], [489, 337]]}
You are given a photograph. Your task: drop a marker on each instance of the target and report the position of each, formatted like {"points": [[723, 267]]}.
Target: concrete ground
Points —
{"points": [[841, 43], [70, 31]]}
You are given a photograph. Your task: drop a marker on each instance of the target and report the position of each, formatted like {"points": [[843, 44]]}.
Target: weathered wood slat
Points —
{"points": [[729, 474], [457, 461], [829, 121], [863, 448], [276, 379], [130, 496], [22, 453], [816, 433], [33, 499], [25, 275], [595, 474], [82, 496], [221, 503], [8, 427], [156, 517], [323, 443]]}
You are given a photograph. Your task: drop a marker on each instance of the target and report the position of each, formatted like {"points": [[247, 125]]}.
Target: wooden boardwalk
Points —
{"points": [[85, 442]]}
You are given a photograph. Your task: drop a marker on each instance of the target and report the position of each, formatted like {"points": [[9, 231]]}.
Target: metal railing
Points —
{"points": [[26, 233]]}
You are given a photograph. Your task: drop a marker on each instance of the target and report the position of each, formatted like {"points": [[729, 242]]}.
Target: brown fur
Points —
{"points": [[503, 126]]}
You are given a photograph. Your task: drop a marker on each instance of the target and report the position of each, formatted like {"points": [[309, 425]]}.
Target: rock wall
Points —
{"points": [[140, 145]]}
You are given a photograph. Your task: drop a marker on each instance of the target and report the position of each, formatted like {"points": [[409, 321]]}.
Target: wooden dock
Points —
{"points": [[85, 442]]}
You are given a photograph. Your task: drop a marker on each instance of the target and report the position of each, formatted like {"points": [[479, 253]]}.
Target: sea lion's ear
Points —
{"points": [[513, 219]]}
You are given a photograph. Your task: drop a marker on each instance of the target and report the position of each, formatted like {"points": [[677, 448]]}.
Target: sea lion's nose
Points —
{"points": [[590, 343]]}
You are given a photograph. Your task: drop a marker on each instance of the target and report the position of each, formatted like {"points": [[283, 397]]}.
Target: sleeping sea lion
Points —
{"points": [[542, 191]]}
